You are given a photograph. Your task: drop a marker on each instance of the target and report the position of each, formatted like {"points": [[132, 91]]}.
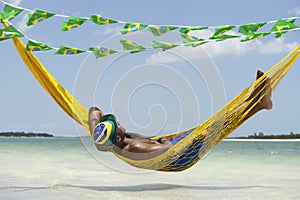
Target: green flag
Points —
{"points": [[36, 46], [65, 50], [190, 38], [73, 22], [38, 16], [251, 28], [160, 30], [132, 27], [195, 44], [132, 46], [255, 35], [98, 19], [283, 26], [219, 33], [101, 51], [9, 12], [163, 45], [186, 30], [9, 32]]}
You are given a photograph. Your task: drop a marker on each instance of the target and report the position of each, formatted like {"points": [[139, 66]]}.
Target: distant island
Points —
{"points": [[23, 134], [261, 135]]}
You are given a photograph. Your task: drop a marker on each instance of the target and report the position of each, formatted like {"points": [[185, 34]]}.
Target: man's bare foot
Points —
{"points": [[266, 93], [254, 96]]}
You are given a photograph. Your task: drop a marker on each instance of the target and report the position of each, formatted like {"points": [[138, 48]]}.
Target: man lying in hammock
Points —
{"points": [[109, 135]]}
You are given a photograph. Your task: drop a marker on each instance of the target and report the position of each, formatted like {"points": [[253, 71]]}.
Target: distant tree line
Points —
{"points": [[23, 134], [261, 135]]}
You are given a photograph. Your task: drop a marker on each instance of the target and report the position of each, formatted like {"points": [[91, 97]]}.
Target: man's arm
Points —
{"points": [[148, 146]]}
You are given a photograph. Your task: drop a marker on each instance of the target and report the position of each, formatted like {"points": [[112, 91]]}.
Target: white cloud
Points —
{"points": [[22, 24], [276, 46], [14, 2], [108, 31], [295, 11]]}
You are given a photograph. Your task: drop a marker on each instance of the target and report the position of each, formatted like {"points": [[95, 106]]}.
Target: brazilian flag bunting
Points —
{"points": [[101, 51], [255, 35], [132, 46], [251, 28], [186, 30], [9, 12], [65, 50], [195, 44], [98, 19], [219, 33], [163, 45], [160, 30], [9, 32], [36, 46], [73, 22], [283, 25], [132, 27], [38, 16], [190, 38]]}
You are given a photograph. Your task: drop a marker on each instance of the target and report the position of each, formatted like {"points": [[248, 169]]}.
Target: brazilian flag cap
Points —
{"points": [[105, 132]]}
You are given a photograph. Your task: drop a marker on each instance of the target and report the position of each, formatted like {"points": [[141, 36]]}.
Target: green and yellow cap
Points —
{"points": [[105, 132]]}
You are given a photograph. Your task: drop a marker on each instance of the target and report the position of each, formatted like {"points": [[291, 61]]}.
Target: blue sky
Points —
{"points": [[151, 92]]}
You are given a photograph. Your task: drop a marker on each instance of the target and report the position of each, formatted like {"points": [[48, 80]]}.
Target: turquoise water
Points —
{"points": [[71, 168]]}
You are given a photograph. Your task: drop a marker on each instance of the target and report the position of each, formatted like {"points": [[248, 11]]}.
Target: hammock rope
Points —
{"points": [[198, 142]]}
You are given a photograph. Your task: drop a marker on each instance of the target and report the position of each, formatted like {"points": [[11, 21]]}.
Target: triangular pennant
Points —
{"points": [[163, 45], [73, 22], [132, 27], [38, 16], [100, 20], [66, 50], [101, 51]]}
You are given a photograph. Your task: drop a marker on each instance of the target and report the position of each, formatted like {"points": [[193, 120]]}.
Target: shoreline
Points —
{"points": [[226, 139], [262, 140]]}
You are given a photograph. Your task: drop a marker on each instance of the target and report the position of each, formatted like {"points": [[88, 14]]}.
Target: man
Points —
{"points": [[109, 135]]}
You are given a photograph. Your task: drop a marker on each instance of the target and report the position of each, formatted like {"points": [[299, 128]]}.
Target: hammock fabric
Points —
{"points": [[197, 143]]}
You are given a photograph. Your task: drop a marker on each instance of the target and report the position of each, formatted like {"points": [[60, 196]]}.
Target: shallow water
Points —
{"points": [[62, 168]]}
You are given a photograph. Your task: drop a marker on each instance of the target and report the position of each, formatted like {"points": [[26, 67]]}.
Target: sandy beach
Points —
{"points": [[62, 168]]}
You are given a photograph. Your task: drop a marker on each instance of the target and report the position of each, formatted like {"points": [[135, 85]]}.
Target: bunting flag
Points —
{"points": [[98, 19], [132, 46], [190, 38], [163, 45], [9, 12], [73, 22], [38, 16], [160, 30], [219, 33], [132, 27], [247, 31], [66, 50], [36, 46], [9, 32], [283, 25], [101, 51], [251, 28], [195, 44], [186, 30], [255, 35]]}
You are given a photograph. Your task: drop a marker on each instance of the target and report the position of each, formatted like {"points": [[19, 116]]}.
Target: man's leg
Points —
{"points": [[94, 116], [262, 92]]}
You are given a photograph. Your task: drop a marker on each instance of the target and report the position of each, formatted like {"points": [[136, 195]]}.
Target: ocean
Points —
{"points": [[71, 168]]}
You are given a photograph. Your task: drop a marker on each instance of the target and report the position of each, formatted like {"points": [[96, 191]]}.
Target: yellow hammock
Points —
{"points": [[195, 145]]}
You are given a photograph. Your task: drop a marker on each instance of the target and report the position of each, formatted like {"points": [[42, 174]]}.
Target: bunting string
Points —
{"points": [[248, 31]]}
